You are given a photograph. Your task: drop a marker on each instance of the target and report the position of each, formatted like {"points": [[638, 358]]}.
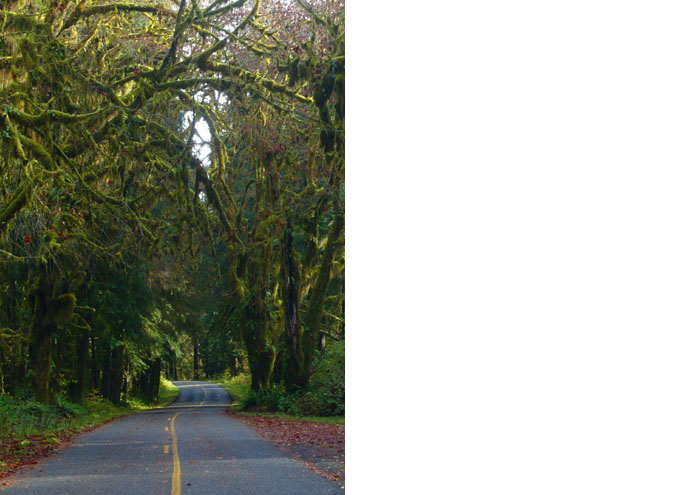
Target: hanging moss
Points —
{"points": [[95, 172], [16, 203], [61, 308], [15, 137]]}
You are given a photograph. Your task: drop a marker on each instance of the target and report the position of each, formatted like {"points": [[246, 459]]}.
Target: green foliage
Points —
{"points": [[20, 419], [237, 386], [23, 418], [125, 251], [330, 370], [325, 397], [168, 392], [263, 400], [70, 410], [312, 403]]}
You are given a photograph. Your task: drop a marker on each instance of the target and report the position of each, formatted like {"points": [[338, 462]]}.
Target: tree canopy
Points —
{"points": [[171, 192]]}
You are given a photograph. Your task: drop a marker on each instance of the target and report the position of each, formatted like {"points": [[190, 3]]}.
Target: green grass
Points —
{"points": [[168, 392], [27, 424], [237, 387]]}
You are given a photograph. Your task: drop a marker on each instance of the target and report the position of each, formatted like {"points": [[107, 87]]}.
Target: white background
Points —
{"points": [[521, 247]]}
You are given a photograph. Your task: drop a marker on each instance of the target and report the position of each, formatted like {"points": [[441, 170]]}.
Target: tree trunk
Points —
{"points": [[78, 392], [42, 333], [290, 296], [42, 366], [106, 379], [195, 355], [117, 375], [155, 377], [126, 384], [95, 369], [255, 330], [233, 363], [143, 382], [318, 295]]}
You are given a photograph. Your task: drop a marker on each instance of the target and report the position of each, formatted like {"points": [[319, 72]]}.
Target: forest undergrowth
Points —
{"points": [[323, 399]]}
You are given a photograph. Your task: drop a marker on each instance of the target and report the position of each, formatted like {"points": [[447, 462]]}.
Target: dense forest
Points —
{"points": [[171, 194]]}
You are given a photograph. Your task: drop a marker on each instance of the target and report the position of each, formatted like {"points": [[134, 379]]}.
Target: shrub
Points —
{"points": [[324, 397], [70, 410], [21, 418], [266, 400], [326, 393]]}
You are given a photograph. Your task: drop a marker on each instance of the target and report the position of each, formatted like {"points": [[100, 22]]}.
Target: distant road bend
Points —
{"points": [[190, 447]]}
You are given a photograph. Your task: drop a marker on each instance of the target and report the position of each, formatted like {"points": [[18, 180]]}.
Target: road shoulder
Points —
{"points": [[319, 446]]}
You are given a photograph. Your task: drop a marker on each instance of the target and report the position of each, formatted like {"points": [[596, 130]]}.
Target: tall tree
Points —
{"points": [[107, 182]]}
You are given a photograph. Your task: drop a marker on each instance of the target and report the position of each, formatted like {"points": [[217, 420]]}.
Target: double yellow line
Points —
{"points": [[176, 474]]}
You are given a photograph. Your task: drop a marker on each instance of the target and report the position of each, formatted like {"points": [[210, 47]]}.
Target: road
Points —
{"points": [[189, 447]]}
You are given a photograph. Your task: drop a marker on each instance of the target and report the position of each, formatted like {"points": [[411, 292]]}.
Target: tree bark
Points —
{"points": [[233, 363], [195, 356], [117, 375], [156, 372], [106, 379], [42, 366], [290, 296], [42, 332], [95, 369], [318, 295], [255, 330], [82, 368]]}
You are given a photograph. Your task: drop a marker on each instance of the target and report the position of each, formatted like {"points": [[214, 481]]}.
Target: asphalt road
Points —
{"points": [[190, 447]]}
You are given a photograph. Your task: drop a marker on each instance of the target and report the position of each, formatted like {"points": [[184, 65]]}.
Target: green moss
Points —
{"points": [[61, 309]]}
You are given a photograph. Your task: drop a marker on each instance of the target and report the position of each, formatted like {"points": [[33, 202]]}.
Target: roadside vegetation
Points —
{"points": [[323, 400]]}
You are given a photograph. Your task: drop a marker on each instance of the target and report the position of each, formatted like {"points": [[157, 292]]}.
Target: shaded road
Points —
{"points": [[190, 447]]}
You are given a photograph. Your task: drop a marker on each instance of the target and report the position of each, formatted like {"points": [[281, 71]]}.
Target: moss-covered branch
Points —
{"points": [[53, 116], [313, 315], [211, 11], [17, 201], [16, 141], [249, 77], [178, 33], [83, 11], [43, 156]]}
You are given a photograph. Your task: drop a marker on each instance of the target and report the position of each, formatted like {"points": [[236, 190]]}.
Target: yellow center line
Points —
{"points": [[176, 474]]}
